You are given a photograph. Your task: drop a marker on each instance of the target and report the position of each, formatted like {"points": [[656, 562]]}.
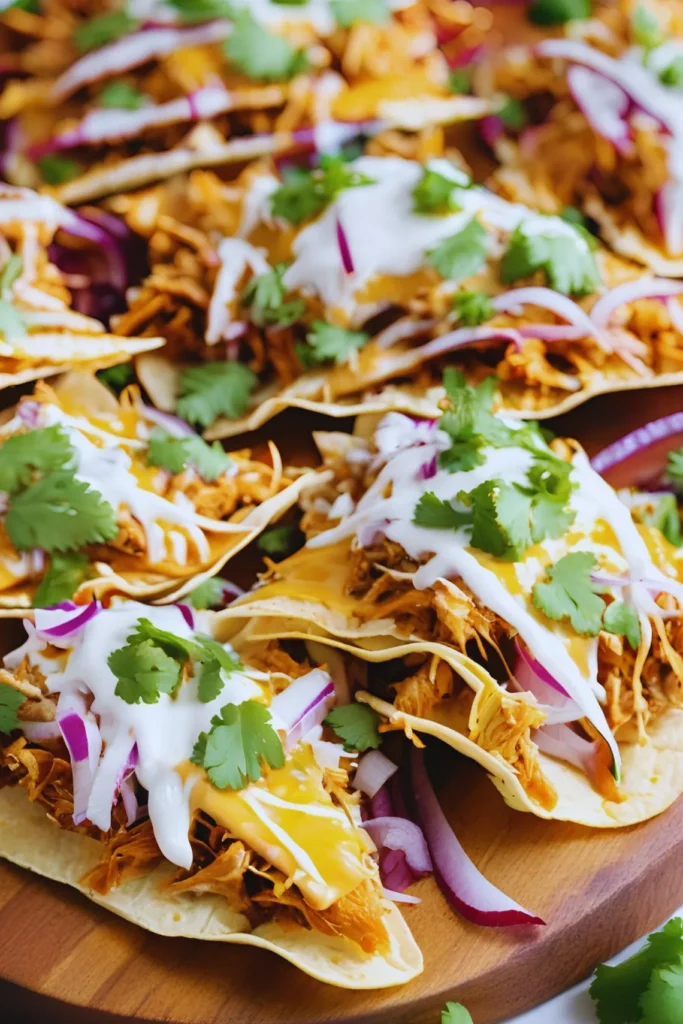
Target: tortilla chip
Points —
{"points": [[28, 838]]}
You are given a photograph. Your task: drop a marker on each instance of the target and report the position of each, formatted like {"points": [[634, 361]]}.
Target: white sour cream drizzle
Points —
{"points": [[385, 234], [106, 468], [165, 733], [449, 556]]}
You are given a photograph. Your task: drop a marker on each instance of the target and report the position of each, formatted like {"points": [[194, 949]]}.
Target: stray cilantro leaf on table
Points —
{"points": [[622, 619], [65, 574], [472, 308], [241, 738], [176, 453], [213, 390], [355, 724], [647, 987], [10, 702], [103, 28], [436, 514], [566, 260], [278, 541], [56, 170], [455, 1013], [38, 451], [570, 593], [327, 343], [117, 377], [350, 12], [436, 193], [59, 513], [121, 96], [306, 193], [262, 55], [557, 12], [208, 594], [461, 255], [265, 295]]}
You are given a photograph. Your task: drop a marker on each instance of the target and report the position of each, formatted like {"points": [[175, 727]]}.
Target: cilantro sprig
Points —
{"points": [[265, 295], [214, 389], [648, 987], [122, 96], [155, 661], [262, 55], [278, 541], [455, 1013], [66, 572], [304, 194], [350, 12], [664, 517], [326, 343], [472, 308], [564, 258], [462, 254], [10, 702], [357, 725], [569, 592], [177, 453], [557, 12], [240, 740], [208, 594], [436, 193]]}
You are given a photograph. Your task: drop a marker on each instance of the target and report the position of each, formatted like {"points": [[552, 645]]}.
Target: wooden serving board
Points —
{"points": [[65, 961]]}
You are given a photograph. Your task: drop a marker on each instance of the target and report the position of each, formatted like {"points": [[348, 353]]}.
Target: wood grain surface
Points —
{"points": [[66, 961]]}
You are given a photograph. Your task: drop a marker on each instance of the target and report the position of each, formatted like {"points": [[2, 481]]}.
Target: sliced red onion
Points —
{"points": [[465, 888], [404, 836], [344, 248], [84, 743], [669, 213], [566, 745], [491, 128], [428, 470], [648, 288], [304, 704], [119, 758], [320, 654], [81, 227], [400, 897], [172, 424], [545, 298], [401, 330], [30, 413], [530, 676], [469, 336], [640, 457], [58, 623], [38, 732], [373, 771], [108, 222], [133, 50], [604, 104], [553, 332], [130, 802], [381, 804], [663, 586], [538, 670], [187, 613]]}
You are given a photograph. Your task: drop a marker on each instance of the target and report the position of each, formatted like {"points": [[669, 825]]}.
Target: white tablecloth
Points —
{"points": [[574, 1006]]}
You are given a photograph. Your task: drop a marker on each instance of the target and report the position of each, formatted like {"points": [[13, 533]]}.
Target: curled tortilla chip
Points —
{"points": [[28, 838]]}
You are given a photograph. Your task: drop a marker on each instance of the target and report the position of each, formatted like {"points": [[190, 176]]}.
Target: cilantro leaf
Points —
{"points": [[12, 323], [472, 308], [435, 193], [557, 12], [40, 450], [664, 517], [11, 272], [175, 646], [662, 1002], [144, 671], [513, 114], [455, 1013], [278, 541], [674, 469], [103, 28], [215, 658], [572, 215], [260, 54], [350, 12], [265, 295], [305, 193], [618, 990], [213, 390], [461, 456], [461, 255], [437, 514], [355, 724], [240, 740], [566, 260], [550, 487], [622, 619], [56, 170], [500, 518], [208, 594], [176, 453], [64, 576], [645, 28], [59, 513], [571, 594], [460, 81], [117, 377], [10, 702], [327, 343], [672, 75], [121, 96], [203, 10]]}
